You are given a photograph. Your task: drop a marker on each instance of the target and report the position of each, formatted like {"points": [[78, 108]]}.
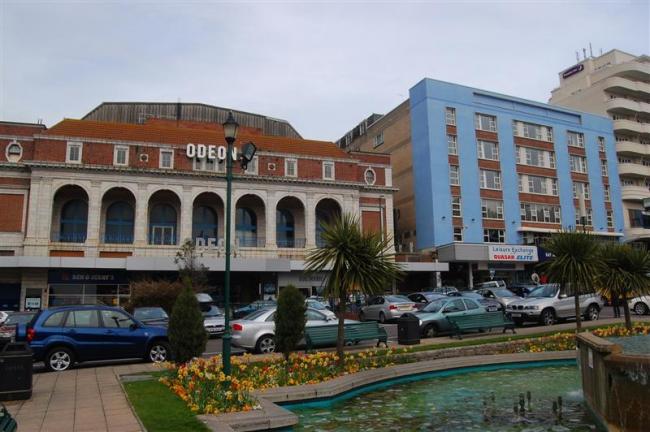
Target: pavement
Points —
{"points": [[89, 398], [79, 400]]}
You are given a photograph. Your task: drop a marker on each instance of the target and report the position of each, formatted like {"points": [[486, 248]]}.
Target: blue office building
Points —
{"points": [[501, 171], [483, 178]]}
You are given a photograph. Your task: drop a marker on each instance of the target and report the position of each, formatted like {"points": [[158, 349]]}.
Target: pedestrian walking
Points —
{"points": [[616, 305]]}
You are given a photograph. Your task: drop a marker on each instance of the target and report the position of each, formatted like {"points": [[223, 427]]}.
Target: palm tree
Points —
{"points": [[574, 264], [357, 262], [623, 273]]}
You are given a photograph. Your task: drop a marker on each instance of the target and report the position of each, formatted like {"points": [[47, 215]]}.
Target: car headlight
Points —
{"points": [[532, 307], [420, 322], [509, 307]]}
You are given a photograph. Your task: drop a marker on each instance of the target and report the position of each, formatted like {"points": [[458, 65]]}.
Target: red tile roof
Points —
{"points": [[155, 133]]}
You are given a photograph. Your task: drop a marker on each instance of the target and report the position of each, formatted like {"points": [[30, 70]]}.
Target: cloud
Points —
{"points": [[321, 66]]}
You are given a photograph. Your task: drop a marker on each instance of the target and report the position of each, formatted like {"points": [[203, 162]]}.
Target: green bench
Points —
{"points": [[7, 423], [484, 321], [354, 333]]}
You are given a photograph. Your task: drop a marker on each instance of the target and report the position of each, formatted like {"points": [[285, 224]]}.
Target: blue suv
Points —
{"points": [[63, 335]]}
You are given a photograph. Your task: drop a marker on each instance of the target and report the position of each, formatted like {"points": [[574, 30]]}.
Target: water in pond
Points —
{"points": [[475, 401]]}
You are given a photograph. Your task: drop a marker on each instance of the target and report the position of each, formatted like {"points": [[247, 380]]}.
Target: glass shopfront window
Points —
{"points": [[88, 287]]}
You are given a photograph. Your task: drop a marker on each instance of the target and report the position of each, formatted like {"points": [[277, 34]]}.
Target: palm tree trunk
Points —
{"points": [[576, 303], [340, 339], [626, 311]]}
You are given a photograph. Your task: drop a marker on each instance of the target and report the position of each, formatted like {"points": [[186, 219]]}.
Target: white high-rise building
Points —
{"points": [[617, 84]]}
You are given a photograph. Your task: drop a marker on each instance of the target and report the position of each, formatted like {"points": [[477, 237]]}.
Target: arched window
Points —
{"points": [[246, 226], [119, 223], [162, 225], [74, 222], [285, 229], [204, 223]]}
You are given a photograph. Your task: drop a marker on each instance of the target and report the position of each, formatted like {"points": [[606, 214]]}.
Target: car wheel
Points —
{"points": [[382, 317], [592, 313], [159, 351], [430, 331], [548, 317], [362, 316], [59, 359], [265, 345], [640, 308]]}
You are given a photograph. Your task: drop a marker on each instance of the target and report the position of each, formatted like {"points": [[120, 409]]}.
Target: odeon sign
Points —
{"points": [[212, 152]]}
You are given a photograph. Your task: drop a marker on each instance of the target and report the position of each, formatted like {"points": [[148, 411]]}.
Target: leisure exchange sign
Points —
{"points": [[512, 253]]}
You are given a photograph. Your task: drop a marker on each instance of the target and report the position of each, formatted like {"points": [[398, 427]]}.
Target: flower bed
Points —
{"points": [[202, 384]]}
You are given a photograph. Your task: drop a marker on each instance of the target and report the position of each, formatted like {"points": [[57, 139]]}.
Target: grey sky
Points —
{"points": [[321, 66]]}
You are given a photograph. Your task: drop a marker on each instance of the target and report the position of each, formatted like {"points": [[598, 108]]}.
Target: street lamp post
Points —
{"points": [[230, 128]]}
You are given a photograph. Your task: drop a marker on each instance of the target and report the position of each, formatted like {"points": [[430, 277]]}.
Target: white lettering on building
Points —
{"points": [[201, 151]]}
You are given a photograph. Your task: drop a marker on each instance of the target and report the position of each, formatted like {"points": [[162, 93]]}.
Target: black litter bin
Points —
{"points": [[408, 330], [16, 367]]}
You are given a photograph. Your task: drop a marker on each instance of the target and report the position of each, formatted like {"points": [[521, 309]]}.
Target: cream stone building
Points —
{"points": [[617, 84]]}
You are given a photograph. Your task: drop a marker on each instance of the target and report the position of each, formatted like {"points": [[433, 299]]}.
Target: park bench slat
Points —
{"points": [[485, 321]]}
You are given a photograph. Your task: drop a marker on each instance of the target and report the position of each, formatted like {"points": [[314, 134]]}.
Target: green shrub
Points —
{"points": [[186, 333], [289, 320]]}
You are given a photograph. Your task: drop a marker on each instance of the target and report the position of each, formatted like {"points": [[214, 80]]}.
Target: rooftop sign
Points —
{"points": [[573, 70]]}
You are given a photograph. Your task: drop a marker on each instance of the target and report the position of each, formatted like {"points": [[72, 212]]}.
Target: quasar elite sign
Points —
{"points": [[512, 253]]}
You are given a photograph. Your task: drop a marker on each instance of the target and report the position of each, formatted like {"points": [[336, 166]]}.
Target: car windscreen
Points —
{"points": [[544, 291], [397, 299], [435, 306], [502, 293], [213, 312], [316, 305], [19, 319], [148, 314], [255, 314]]}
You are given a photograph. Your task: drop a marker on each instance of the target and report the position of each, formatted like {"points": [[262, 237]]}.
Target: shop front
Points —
{"points": [[471, 264], [75, 286]]}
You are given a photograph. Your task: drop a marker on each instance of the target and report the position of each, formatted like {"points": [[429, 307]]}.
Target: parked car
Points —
{"points": [[8, 327], [151, 316], [433, 318], [491, 284], [62, 336], [320, 307], [386, 307], [502, 295], [214, 321], [547, 304], [256, 331], [522, 290], [444, 290], [640, 305], [252, 307], [490, 304], [423, 298]]}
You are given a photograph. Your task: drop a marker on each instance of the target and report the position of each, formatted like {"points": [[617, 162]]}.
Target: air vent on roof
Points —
{"points": [[144, 157]]}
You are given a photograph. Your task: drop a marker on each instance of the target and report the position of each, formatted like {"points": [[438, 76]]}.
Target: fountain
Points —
{"points": [[616, 380]]}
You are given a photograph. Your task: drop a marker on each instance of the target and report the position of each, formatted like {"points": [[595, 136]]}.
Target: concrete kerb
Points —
{"points": [[126, 396], [273, 416]]}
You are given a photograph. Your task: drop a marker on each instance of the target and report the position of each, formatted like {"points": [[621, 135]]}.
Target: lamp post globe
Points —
{"points": [[230, 128]]}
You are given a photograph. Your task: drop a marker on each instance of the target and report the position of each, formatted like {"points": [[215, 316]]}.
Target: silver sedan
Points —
{"points": [[256, 332], [387, 307]]}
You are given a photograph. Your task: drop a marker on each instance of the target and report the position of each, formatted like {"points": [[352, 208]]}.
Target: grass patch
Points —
{"points": [[159, 409]]}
